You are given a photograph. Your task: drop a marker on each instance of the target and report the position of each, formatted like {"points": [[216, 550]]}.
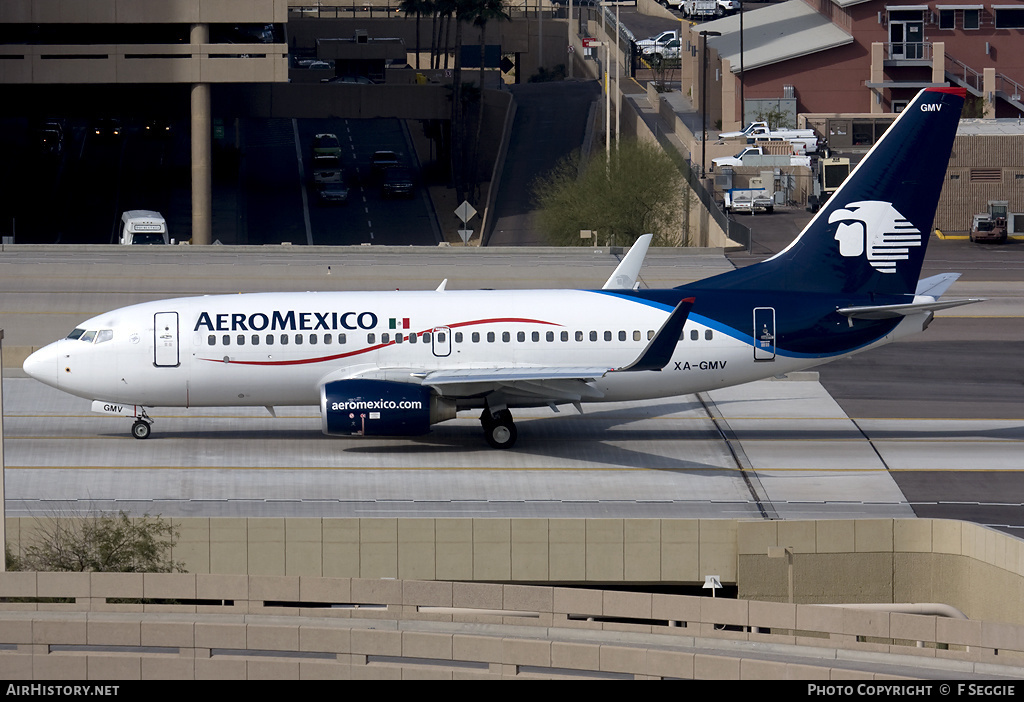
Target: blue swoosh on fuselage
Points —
{"points": [[806, 326]]}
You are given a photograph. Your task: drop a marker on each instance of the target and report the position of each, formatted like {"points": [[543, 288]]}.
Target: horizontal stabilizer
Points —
{"points": [[892, 311], [936, 285], [628, 270]]}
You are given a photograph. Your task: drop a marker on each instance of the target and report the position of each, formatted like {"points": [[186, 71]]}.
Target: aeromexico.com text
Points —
{"points": [[349, 405], [286, 321]]}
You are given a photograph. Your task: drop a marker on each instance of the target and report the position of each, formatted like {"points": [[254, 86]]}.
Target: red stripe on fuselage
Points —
{"points": [[334, 357]]}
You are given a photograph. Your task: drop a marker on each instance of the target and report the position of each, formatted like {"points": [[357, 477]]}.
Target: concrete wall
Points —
{"points": [[170, 626], [977, 570]]}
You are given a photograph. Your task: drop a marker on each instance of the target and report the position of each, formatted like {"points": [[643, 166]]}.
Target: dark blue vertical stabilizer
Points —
{"points": [[871, 235]]}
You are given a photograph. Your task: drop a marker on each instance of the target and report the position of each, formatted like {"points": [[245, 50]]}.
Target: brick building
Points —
{"points": [[863, 56]]}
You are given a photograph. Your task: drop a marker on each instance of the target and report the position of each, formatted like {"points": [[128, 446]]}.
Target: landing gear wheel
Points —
{"points": [[141, 429], [500, 431]]}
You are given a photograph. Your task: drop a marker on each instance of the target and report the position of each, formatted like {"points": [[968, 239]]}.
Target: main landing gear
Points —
{"points": [[499, 428], [142, 426]]}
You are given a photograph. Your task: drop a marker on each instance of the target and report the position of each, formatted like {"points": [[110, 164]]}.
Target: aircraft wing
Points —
{"points": [[538, 383]]}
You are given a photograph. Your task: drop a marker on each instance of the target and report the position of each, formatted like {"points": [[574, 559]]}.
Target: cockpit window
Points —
{"points": [[76, 333], [104, 335], [88, 337]]}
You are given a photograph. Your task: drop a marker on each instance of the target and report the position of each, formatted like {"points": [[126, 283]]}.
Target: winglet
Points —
{"points": [[660, 349], [628, 270]]}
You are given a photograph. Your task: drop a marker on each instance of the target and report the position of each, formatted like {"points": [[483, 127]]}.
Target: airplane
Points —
{"points": [[395, 363]]}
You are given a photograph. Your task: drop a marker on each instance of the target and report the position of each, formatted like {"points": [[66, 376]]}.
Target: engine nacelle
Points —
{"points": [[380, 408]]}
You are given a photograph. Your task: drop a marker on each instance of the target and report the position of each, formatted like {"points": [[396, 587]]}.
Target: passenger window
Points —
{"points": [[255, 339], [211, 340], [426, 337], [312, 338], [371, 338], [506, 337], [385, 338], [298, 338], [284, 340], [579, 336], [476, 337], [399, 339], [708, 335], [565, 336], [241, 340], [490, 337], [650, 334], [270, 339], [226, 340], [607, 336], [440, 337], [550, 336], [593, 336], [342, 339], [521, 336], [413, 338], [694, 335], [327, 339], [458, 337]]}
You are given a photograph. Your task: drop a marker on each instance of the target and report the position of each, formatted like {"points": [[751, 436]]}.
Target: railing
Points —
{"points": [[908, 51], [1009, 87], [964, 73]]}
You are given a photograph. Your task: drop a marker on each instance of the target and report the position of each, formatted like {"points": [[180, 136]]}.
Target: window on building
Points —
{"points": [[1008, 16], [972, 19], [947, 19]]}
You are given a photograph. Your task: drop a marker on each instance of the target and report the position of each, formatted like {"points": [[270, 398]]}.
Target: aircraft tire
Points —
{"points": [[140, 430], [500, 431]]}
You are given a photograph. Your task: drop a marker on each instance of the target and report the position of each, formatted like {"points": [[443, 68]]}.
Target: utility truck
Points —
{"points": [[143, 227]]}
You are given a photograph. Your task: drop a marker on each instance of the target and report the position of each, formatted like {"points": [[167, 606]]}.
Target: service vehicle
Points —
{"points": [[143, 227]]}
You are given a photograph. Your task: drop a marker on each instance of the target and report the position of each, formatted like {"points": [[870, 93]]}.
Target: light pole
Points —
{"points": [[743, 104], [704, 96]]}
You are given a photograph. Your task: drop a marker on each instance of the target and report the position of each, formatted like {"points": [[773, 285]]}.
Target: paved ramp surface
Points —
{"points": [[773, 449]]}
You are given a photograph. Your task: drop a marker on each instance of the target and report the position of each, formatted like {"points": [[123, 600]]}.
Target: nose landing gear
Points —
{"points": [[142, 426]]}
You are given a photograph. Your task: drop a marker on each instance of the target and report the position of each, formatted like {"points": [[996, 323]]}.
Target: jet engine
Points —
{"points": [[363, 407]]}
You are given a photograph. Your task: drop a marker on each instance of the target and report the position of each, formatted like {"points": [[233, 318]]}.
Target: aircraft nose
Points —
{"points": [[42, 365]]}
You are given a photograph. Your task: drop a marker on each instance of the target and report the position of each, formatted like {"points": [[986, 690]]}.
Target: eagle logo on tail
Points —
{"points": [[878, 229]]}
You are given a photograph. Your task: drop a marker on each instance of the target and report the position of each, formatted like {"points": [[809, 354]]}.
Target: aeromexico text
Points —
{"points": [[286, 321]]}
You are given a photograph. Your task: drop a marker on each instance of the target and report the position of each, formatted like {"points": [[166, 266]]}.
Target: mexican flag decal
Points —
{"points": [[398, 323]]}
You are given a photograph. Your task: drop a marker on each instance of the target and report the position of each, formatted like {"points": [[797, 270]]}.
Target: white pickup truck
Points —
{"points": [[700, 9], [648, 45], [761, 130], [737, 160]]}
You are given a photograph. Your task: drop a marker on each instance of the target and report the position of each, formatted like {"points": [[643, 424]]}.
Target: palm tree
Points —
{"points": [[482, 12], [419, 8]]}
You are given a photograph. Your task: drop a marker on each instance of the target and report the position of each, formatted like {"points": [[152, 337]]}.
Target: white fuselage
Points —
{"points": [[280, 348]]}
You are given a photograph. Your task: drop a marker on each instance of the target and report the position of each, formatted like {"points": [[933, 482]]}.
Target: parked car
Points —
{"points": [[106, 128], [326, 149], [330, 185], [398, 181], [383, 160]]}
